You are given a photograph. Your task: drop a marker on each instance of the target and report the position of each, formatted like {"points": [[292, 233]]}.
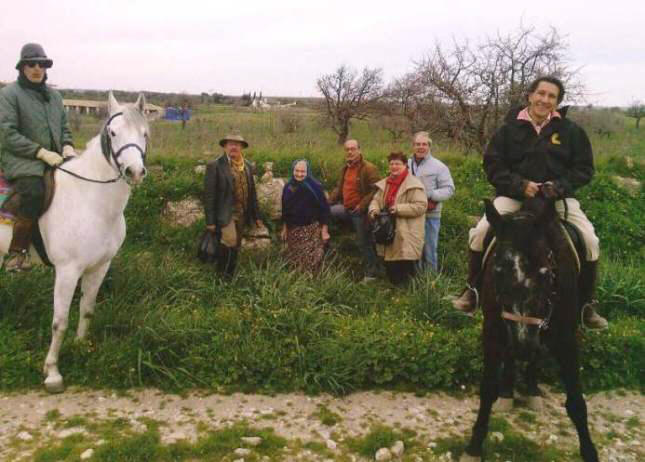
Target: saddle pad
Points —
{"points": [[5, 191]]}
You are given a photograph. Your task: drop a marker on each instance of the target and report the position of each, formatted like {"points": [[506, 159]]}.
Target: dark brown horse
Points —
{"points": [[530, 301]]}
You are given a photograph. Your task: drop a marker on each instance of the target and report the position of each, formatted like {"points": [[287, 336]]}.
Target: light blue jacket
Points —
{"points": [[436, 179]]}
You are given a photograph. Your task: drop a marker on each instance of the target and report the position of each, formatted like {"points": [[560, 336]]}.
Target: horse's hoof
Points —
{"points": [[468, 458], [503, 405], [534, 403], [54, 384]]}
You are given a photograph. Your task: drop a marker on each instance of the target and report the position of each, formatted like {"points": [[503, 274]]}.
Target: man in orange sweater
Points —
{"points": [[351, 197]]}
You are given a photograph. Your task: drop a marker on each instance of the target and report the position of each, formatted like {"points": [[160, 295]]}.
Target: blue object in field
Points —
{"points": [[177, 113]]}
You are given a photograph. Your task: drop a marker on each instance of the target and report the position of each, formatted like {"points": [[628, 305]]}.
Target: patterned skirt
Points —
{"points": [[305, 247]]}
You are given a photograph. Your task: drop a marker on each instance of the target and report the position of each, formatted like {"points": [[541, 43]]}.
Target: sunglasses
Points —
{"points": [[37, 63]]}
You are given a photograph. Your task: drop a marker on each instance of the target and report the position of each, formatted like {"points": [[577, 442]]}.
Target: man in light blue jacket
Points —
{"points": [[439, 187]]}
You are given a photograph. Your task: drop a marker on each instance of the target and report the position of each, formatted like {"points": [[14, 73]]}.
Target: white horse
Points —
{"points": [[84, 227]]}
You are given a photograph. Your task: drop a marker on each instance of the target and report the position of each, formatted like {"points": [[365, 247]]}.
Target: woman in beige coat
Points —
{"points": [[404, 196]]}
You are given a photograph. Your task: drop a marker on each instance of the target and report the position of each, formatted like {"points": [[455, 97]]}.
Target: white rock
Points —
{"points": [[87, 454], [69, 432], [432, 445], [239, 460], [252, 440], [242, 452], [25, 436], [200, 169], [397, 449], [552, 439], [331, 444], [497, 437], [383, 454]]}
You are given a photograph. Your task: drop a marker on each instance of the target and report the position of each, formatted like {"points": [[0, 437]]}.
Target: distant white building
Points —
{"points": [[83, 106]]}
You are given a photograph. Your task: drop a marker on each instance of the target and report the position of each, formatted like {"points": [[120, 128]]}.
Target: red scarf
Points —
{"points": [[393, 183]]}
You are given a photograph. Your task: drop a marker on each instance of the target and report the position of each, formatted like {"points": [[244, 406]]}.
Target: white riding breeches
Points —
{"points": [[575, 216]]}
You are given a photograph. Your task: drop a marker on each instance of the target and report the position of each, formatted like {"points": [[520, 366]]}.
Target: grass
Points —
{"points": [[514, 447], [120, 443], [163, 320], [327, 416], [380, 436]]}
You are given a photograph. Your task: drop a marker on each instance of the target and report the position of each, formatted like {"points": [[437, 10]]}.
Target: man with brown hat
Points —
{"points": [[230, 201], [34, 134]]}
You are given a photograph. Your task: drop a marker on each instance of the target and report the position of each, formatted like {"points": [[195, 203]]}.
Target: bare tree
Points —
{"points": [[464, 91], [349, 95], [636, 111]]}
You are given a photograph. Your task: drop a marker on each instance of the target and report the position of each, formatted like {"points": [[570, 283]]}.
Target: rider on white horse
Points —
{"points": [[33, 134]]}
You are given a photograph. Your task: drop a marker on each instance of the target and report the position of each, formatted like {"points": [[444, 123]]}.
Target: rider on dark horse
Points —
{"points": [[539, 145], [33, 134]]}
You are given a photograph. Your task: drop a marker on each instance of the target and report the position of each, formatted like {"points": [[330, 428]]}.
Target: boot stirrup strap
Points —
{"points": [[476, 292]]}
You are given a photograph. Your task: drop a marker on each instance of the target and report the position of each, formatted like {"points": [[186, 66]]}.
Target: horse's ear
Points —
{"points": [[113, 104], [141, 103], [492, 215]]}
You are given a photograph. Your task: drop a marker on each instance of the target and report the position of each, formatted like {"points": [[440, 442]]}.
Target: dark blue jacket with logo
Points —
{"points": [[517, 154]]}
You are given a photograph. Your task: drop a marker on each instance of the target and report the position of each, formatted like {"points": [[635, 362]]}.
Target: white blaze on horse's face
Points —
{"points": [[129, 134]]}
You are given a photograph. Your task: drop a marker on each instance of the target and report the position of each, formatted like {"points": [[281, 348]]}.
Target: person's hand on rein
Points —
{"points": [[531, 188]]}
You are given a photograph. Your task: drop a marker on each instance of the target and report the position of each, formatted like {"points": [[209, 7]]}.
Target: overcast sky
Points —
{"points": [[280, 47]]}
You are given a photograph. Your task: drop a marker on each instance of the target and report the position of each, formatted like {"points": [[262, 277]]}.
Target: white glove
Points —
{"points": [[49, 157], [69, 151]]}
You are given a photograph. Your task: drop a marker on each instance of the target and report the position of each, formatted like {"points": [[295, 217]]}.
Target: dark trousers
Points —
{"points": [[400, 271], [226, 261], [32, 194]]}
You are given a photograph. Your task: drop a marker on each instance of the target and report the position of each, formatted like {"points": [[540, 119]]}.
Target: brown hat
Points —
{"points": [[237, 138]]}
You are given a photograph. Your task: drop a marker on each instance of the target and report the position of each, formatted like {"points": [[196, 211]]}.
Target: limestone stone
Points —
{"points": [[252, 440], [184, 212], [383, 454]]}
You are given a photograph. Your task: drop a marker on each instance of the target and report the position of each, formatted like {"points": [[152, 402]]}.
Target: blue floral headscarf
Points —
{"points": [[310, 182]]}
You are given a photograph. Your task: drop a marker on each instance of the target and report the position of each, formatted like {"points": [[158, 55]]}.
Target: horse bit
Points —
{"points": [[108, 151]]}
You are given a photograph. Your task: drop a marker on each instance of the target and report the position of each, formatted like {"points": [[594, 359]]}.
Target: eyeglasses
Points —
{"points": [[37, 63]]}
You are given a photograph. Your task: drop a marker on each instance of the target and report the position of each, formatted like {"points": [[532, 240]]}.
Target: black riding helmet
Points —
{"points": [[33, 52]]}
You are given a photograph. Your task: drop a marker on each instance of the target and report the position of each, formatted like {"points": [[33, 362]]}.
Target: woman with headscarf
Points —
{"points": [[305, 218], [403, 195]]}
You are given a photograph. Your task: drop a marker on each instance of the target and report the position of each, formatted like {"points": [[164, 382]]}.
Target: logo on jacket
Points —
{"points": [[555, 138]]}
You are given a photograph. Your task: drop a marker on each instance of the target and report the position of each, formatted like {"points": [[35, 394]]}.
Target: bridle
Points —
{"points": [[108, 153], [542, 323]]}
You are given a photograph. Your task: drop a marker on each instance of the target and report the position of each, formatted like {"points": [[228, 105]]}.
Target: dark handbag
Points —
{"points": [[383, 228], [208, 246]]}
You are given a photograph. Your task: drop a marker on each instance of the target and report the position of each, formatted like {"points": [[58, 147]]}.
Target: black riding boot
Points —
{"points": [[588, 276], [468, 300]]}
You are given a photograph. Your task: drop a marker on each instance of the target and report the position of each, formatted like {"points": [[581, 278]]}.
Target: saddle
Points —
{"points": [[10, 206], [571, 233]]}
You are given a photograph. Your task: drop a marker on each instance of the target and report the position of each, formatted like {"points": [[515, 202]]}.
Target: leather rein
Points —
{"points": [[108, 152]]}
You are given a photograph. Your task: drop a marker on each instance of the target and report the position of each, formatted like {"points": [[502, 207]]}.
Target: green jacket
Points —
{"points": [[28, 123]]}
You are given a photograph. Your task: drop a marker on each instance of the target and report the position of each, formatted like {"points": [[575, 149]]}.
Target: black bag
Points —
{"points": [[383, 228], [207, 251]]}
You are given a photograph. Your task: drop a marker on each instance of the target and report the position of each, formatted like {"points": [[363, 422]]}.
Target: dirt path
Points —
{"points": [[315, 428]]}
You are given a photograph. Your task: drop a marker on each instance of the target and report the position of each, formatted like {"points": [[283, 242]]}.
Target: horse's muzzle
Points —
{"points": [[135, 176]]}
